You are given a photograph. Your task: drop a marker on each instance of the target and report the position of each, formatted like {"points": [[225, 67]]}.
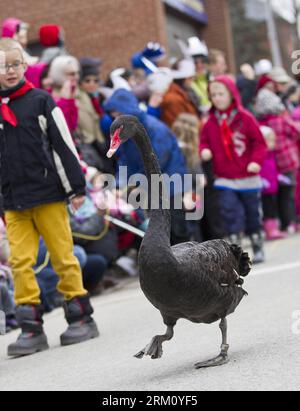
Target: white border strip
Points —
{"points": [[283, 268]]}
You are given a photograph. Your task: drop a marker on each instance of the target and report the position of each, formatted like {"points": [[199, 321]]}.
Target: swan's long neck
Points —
{"points": [[159, 229]]}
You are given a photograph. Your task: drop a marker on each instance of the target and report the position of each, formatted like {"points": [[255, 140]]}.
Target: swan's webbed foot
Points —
{"points": [[154, 349], [222, 359]]}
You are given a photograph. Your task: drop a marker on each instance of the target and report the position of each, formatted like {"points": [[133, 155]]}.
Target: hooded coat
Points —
{"points": [[163, 140], [248, 144], [39, 162], [176, 101], [270, 111]]}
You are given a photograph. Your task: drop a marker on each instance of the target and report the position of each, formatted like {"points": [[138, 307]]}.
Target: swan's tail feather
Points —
{"points": [[243, 259]]}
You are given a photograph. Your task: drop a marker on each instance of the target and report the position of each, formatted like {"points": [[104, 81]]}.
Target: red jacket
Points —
{"points": [[248, 142]]}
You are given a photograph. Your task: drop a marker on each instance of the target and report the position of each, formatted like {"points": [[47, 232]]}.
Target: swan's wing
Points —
{"points": [[213, 260]]}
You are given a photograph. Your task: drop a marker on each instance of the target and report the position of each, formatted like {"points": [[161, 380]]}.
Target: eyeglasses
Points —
{"points": [[4, 68]]}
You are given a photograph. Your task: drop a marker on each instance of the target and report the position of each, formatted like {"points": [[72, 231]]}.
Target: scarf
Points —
{"points": [[225, 118], [12, 94], [96, 105]]}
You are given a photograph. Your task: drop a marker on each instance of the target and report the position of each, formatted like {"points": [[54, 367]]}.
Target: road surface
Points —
{"points": [[264, 337]]}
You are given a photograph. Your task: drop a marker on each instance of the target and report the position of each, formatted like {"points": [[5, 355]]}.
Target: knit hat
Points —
{"points": [[268, 102], [12, 26], [147, 58], [50, 35], [89, 67], [154, 51], [263, 80]]}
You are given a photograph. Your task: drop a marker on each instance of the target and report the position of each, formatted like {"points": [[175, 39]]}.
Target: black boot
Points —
{"points": [[82, 327], [32, 339], [235, 239], [258, 248]]}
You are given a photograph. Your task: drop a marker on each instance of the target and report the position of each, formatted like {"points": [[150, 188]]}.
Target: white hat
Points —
{"points": [[196, 47], [262, 67], [279, 75], [186, 69], [118, 81], [160, 81]]}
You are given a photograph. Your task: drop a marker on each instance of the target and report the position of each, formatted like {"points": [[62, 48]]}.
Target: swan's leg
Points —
{"points": [[154, 349], [223, 357]]}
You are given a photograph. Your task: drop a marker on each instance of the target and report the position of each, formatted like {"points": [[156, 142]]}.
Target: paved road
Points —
{"points": [[265, 352]]}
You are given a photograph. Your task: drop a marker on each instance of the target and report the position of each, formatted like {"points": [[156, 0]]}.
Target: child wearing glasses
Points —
{"points": [[40, 170]]}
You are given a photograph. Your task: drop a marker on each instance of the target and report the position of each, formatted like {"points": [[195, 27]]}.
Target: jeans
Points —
{"points": [[241, 211], [94, 270]]}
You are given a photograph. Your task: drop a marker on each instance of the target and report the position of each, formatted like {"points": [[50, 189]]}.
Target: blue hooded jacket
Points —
{"points": [[163, 140]]}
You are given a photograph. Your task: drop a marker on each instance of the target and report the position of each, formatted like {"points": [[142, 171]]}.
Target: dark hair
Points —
{"points": [[179, 82], [201, 57]]}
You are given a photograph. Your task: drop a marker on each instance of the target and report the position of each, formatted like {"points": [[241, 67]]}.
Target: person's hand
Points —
{"points": [[77, 202], [156, 99], [248, 71], [206, 154], [254, 168], [68, 90]]}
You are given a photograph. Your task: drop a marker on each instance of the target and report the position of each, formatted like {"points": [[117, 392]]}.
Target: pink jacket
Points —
{"points": [[34, 74], [70, 110], [270, 174]]}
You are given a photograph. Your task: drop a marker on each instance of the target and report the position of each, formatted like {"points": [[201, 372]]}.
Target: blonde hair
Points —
{"points": [[187, 130], [58, 67], [8, 44], [214, 54]]}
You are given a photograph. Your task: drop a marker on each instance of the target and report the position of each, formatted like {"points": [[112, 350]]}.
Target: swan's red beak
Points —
{"points": [[115, 143]]}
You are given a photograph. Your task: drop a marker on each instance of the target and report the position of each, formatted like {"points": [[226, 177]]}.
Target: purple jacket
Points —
{"points": [[270, 174]]}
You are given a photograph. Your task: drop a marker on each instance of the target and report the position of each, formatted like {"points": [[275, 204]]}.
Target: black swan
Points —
{"points": [[198, 282]]}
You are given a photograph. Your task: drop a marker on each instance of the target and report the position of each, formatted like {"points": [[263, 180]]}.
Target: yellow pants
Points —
{"points": [[24, 228]]}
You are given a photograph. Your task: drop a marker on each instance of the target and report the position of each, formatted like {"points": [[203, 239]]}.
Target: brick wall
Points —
{"points": [[113, 29], [219, 32], [110, 29]]}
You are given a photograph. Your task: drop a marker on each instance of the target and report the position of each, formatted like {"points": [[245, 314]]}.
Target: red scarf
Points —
{"points": [[96, 105], [226, 131], [227, 138], [7, 114]]}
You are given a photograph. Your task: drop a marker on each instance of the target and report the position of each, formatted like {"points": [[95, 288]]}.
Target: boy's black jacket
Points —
{"points": [[39, 163]]}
